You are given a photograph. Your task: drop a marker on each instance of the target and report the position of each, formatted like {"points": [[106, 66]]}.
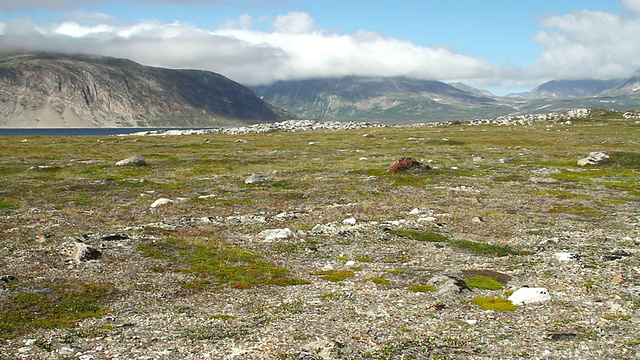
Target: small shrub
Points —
{"points": [[498, 304]]}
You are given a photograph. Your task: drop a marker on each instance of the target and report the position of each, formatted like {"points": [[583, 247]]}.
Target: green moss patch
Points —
{"points": [[379, 281], [487, 249], [483, 283], [476, 247], [234, 267], [51, 306], [427, 236], [421, 288], [498, 304], [334, 275]]}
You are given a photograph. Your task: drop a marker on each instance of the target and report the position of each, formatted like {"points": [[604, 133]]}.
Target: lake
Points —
{"points": [[77, 131]]}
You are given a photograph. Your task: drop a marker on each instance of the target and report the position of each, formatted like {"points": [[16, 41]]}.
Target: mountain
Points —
{"points": [[467, 88], [56, 90], [628, 85], [397, 99], [571, 88]]}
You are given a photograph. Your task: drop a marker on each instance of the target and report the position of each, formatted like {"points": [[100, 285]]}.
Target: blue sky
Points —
{"points": [[500, 45]]}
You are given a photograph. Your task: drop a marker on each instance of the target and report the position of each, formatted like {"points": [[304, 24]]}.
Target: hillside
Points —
{"points": [[378, 99], [54, 90], [251, 244]]}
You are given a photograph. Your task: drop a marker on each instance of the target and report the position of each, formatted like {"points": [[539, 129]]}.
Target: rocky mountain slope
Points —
{"points": [[381, 99], [54, 90]]}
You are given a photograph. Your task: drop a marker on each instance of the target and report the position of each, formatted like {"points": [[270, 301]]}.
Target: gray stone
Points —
{"points": [[134, 160], [446, 284], [257, 179], [84, 252], [8, 278]]}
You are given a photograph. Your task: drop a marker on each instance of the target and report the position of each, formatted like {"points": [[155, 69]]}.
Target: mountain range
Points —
{"points": [[405, 100], [57, 90]]}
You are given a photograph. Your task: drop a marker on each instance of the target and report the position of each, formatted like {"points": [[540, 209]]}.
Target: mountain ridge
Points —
{"points": [[378, 98], [60, 90]]}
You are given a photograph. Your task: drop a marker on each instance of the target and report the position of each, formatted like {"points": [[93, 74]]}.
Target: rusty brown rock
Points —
{"points": [[407, 163]]}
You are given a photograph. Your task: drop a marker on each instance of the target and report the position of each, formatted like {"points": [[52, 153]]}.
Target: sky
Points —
{"points": [[499, 45]]}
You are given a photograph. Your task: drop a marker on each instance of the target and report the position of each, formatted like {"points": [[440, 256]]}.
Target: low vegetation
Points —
{"points": [[497, 304], [51, 305], [498, 200], [234, 267]]}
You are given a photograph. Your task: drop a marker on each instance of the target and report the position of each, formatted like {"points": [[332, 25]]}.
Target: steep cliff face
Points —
{"points": [[52, 90]]}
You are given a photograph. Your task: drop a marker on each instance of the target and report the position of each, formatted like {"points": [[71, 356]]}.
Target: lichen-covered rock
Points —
{"points": [[257, 179], [134, 160], [446, 284], [406, 164], [593, 158], [84, 252]]}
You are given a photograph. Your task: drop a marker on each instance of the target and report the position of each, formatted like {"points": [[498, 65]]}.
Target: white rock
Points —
{"points": [[134, 160], [327, 267], [415, 211], [565, 256], [350, 221], [257, 179], [427, 219], [160, 202], [207, 196], [529, 295], [350, 263], [471, 322], [593, 158], [276, 234]]}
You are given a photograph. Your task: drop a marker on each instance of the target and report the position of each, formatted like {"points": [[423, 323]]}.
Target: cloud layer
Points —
{"points": [[582, 44]]}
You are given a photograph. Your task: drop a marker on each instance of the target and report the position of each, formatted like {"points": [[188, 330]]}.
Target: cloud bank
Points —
{"points": [[582, 44]]}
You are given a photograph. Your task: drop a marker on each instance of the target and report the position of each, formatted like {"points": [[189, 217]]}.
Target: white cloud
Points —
{"points": [[632, 5], [293, 50], [588, 44], [294, 23], [582, 44]]}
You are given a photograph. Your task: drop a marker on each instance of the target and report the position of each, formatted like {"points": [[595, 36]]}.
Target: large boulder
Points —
{"points": [[594, 158]]}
